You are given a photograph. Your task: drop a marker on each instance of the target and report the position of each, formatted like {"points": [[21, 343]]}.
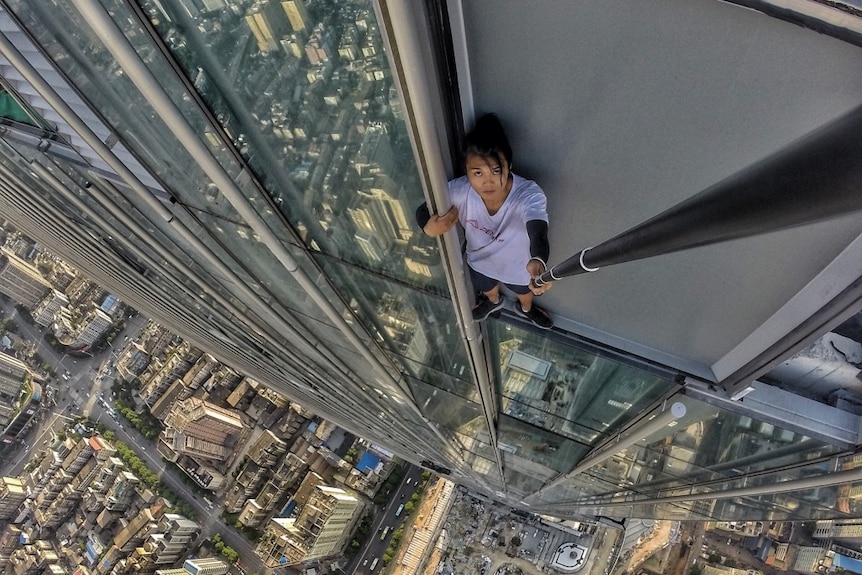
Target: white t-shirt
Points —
{"points": [[498, 246]]}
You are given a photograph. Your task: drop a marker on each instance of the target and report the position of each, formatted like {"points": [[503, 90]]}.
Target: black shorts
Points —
{"points": [[485, 284]]}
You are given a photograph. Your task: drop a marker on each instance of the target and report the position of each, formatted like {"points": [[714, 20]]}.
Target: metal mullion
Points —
{"points": [[132, 64]]}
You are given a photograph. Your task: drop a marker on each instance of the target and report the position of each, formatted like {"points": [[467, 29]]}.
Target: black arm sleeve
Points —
{"points": [[539, 246], [423, 215]]}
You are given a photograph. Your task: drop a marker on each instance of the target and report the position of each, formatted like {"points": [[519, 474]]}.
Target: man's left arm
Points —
{"points": [[540, 250]]}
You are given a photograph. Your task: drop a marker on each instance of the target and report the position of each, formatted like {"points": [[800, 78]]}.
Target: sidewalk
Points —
{"points": [[421, 533]]}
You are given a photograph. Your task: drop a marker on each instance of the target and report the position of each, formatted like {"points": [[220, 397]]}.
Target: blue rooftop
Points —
{"points": [[368, 461]]}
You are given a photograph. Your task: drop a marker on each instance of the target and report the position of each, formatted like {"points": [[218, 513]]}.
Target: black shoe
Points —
{"points": [[537, 316], [485, 307]]}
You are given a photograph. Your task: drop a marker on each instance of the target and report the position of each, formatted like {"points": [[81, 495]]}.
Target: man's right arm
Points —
{"points": [[435, 225]]}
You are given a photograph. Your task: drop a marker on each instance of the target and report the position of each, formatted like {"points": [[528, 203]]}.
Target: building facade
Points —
{"points": [[255, 195], [322, 527], [20, 280], [12, 494]]}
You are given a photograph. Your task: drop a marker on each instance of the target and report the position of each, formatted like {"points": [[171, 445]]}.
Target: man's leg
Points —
{"points": [[534, 313], [489, 288], [525, 299], [493, 294]]}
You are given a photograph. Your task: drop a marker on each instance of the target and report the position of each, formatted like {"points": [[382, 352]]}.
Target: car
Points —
{"points": [[364, 563]]}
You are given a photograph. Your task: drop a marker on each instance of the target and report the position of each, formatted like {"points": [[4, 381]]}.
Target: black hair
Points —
{"points": [[488, 140]]}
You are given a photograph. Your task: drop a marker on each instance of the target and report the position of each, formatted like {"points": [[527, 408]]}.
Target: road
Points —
{"points": [[209, 519], [374, 547], [80, 395]]}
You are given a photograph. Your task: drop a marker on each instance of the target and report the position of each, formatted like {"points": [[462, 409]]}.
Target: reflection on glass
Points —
{"points": [[547, 453], [449, 410], [305, 92], [710, 451], [415, 327], [520, 481], [827, 370], [570, 390], [305, 96]]}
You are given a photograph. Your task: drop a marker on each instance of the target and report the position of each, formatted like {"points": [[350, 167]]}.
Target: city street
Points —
{"points": [[375, 547], [79, 395]]}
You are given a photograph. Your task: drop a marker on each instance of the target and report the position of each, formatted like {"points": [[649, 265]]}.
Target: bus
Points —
{"points": [[385, 533], [399, 510], [373, 564]]}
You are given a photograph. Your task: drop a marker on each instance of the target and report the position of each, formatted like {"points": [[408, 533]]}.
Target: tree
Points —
{"points": [[515, 541], [230, 554], [409, 507], [695, 570]]}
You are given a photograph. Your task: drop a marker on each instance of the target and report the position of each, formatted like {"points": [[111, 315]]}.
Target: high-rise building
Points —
{"points": [[12, 494], [297, 14], [79, 330], [207, 566], [201, 438], [44, 311], [26, 407], [702, 366], [20, 280], [268, 23], [321, 528], [14, 375]]}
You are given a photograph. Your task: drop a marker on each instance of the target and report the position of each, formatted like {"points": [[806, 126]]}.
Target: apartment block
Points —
{"points": [[13, 492], [321, 529], [20, 280]]}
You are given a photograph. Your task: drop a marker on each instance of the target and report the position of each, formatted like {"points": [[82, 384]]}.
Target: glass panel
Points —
{"points": [[304, 91], [520, 481], [569, 388], [711, 450], [407, 323], [708, 444], [549, 452], [447, 409], [486, 469], [11, 109]]}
